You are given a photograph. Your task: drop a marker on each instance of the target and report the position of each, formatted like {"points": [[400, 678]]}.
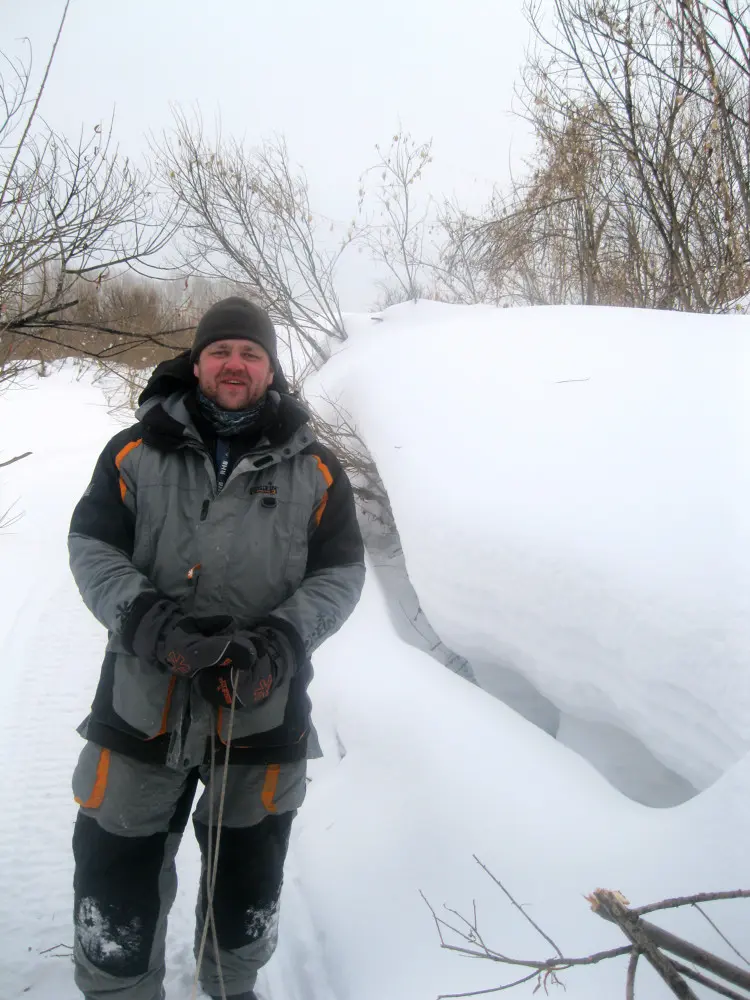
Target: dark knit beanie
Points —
{"points": [[235, 319]]}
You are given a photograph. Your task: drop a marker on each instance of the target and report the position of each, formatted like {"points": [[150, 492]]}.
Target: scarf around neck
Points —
{"points": [[229, 423]]}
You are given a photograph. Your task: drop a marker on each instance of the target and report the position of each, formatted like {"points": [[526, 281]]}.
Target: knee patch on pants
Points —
{"points": [[248, 879], [116, 897]]}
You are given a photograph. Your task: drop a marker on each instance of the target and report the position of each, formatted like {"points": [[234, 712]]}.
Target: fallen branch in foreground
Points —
{"points": [[645, 940]]}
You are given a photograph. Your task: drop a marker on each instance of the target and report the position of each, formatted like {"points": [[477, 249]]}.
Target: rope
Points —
{"points": [[212, 854], [211, 858]]}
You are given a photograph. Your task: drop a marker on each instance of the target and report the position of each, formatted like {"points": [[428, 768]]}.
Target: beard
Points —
{"points": [[240, 394]]}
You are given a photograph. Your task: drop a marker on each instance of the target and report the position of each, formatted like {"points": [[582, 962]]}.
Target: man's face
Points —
{"points": [[234, 373]]}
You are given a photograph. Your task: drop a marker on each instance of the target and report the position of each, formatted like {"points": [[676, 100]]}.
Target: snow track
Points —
{"points": [[50, 690]]}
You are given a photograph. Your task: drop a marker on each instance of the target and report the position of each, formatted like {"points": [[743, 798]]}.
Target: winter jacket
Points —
{"points": [[279, 543]]}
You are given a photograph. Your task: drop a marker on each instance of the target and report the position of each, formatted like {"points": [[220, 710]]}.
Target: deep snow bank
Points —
{"points": [[422, 770], [571, 489]]}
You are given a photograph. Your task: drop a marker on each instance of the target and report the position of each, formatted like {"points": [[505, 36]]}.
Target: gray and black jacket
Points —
{"points": [[280, 543]]}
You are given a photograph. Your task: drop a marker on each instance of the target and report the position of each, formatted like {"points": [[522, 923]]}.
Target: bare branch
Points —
{"points": [[630, 980], [7, 519], [553, 964], [698, 977], [17, 458], [700, 897], [723, 936], [35, 107], [652, 940], [645, 939], [492, 989], [518, 906]]}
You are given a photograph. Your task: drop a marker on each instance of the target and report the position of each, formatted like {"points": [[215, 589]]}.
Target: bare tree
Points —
{"points": [[713, 37], [571, 231], [69, 212], [459, 274], [397, 237], [249, 221], [638, 191], [636, 82], [719, 54]]}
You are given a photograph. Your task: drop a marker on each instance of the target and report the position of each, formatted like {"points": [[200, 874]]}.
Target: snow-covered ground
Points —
{"points": [[586, 540]]}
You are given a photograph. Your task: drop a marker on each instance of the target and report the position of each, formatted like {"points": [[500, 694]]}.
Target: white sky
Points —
{"points": [[334, 77]]}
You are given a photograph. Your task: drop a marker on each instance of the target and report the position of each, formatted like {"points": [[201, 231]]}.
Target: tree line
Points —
{"points": [[637, 194]]}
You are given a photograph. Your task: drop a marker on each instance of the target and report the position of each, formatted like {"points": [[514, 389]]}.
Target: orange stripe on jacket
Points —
{"points": [[269, 787], [165, 710], [329, 482], [130, 446], [100, 783]]}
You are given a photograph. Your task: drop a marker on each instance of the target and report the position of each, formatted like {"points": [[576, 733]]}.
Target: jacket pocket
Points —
{"points": [[284, 787], [142, 695], [256, 792], [91, 776]]}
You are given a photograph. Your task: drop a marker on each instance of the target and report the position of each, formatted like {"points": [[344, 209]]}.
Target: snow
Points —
{"points": [[570, 487], [100, 939], [587, 538]]}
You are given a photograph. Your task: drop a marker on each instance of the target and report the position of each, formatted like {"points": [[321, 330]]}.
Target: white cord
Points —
{"points": [[212, 854]]}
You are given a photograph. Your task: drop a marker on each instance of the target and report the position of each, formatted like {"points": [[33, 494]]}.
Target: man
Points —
{"points": [[218, 544]]}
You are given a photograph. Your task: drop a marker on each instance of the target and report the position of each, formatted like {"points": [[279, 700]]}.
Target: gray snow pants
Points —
{"points": [[130, 822]]}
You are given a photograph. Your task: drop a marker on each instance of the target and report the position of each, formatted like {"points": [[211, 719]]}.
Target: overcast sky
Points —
{"points": [[334, 77]]}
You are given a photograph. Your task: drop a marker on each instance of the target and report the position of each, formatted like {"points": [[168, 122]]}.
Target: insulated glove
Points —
{"points": [[252, 662], [194, 644], [159, 632]]}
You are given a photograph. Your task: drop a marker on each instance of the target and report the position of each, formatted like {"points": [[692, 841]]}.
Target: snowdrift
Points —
{"points": [[570, 485]]}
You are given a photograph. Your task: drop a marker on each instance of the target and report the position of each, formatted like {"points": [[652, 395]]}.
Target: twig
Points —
{"points": [[559, 963], [474, 936], [16, 459], [16, 324], [32, 115], [493, 989], [55, 947], [630, 982], [701, 897], [723, 937], [552, 964], [518, 906], [6, 521]]}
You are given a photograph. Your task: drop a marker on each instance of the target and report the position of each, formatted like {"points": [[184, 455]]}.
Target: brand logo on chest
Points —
{"points": [[268, 490]]}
